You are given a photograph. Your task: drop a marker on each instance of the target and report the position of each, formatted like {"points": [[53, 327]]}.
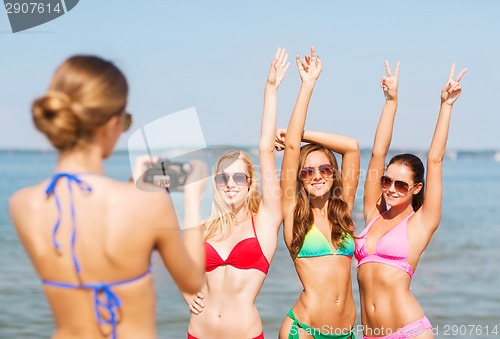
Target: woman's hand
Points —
{"points": [[452, 90], [389, 83], [278, 69], [196, 305], [279, 140], [310, 67]]}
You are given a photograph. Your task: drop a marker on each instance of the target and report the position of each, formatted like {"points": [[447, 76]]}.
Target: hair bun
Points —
{"points": [[53, 116]]}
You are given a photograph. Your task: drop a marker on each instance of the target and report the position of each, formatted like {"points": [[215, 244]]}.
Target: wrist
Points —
{"points": [[391, 103], [308, 83], [444, 104], [271, 88]]}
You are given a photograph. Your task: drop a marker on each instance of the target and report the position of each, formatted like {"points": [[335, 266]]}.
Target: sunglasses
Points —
{"points": [[401, 187], [222, 179], [307, 173], [128, 119]]}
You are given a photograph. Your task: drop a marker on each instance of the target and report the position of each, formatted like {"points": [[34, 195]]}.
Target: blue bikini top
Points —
{"points": [[110, 302]]}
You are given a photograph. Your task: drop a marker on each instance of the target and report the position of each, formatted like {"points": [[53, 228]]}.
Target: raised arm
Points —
{"points": [[309, 69], [374, 203], [429, 215], [271, 192]]}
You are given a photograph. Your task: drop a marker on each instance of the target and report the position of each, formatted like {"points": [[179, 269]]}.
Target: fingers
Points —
{"points": [[196, 307], [278, 53], [282, 55], [383, 83], [287, 65], [387, 68], [297, 60], [313, 55], [396, 72], [284, 61], [274, 63], [461, 74], [452, 71], [305, 64]]}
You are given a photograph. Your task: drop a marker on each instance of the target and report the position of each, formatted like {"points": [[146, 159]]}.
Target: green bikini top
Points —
{"points": [[316, 245]]}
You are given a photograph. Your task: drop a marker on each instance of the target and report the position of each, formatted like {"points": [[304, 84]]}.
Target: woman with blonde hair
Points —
{"points": [[318, 198], [90, 237], [241, 234], [400, 222]]}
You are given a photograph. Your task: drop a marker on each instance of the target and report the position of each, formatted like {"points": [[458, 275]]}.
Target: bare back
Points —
{"points": [[115, 237]]}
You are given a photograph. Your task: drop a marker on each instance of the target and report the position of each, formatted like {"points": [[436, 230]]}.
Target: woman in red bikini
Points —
{"points": [[242, 232], [400, 222]]}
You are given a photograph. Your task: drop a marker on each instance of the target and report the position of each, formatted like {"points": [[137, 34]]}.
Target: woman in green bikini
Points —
{"points": [[317, 200]]}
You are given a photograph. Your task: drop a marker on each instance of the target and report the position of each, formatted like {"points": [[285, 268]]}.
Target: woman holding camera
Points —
{"points": [[87, 235], [241, 234]]}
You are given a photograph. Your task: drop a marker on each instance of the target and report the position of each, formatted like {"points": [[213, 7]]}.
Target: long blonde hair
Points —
{"points": [[85, 92], [221, 218], [338, 210]]}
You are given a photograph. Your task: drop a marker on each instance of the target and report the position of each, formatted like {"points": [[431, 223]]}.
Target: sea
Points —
{"points": [[457, 281]]}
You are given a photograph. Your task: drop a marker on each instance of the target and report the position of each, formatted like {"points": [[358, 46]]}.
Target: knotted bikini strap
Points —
{"points": [[314, 332], [51, 190], [105, 299]]}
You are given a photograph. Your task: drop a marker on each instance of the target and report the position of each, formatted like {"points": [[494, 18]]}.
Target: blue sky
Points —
{"points": [[214, 56]]}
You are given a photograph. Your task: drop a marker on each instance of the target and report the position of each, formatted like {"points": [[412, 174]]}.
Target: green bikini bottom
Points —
{"points": [[314, 332]]}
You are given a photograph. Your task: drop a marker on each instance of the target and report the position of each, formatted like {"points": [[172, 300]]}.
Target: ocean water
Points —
{"points": [[457, 281]]}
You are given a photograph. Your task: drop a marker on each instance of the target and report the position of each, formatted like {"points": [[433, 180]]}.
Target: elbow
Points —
{"points": [[355, 146], [434, 159], [291, 146], [379, 152], [194, 284], [263, 149]]}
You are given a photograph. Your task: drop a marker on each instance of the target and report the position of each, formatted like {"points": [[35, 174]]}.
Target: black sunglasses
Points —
{"points": [[222, 179], [307, 173], [128, 119], [401, 187]]}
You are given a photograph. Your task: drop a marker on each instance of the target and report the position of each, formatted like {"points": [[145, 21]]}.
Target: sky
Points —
{"points": [[213, 57]]}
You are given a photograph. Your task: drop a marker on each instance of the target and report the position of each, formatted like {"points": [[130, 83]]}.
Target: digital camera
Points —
{"points": [[171, 175]]}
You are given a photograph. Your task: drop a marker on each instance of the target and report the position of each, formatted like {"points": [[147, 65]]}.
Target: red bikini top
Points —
{"points": [[245, 254]]}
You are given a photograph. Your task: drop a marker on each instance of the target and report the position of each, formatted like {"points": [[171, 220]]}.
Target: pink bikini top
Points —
{"points": [[391, 249], [245, 254]]}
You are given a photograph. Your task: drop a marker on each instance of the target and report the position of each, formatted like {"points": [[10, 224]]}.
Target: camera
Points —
{"points": [[171, 175]]}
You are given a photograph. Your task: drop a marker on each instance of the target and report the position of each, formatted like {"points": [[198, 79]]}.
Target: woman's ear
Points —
{"points": [[418, 186]]}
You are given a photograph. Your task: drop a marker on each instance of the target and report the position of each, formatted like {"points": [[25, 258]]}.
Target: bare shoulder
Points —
{"points": [[24, 200]]}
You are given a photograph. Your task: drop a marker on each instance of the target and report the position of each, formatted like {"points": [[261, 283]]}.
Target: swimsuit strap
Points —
{"points": [[51, 190], [109, 304], [314, 332], [253, 225]]}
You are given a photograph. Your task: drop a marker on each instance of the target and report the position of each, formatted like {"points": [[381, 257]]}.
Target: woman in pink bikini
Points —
{"points": [[400, 222], [241, 235]]}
